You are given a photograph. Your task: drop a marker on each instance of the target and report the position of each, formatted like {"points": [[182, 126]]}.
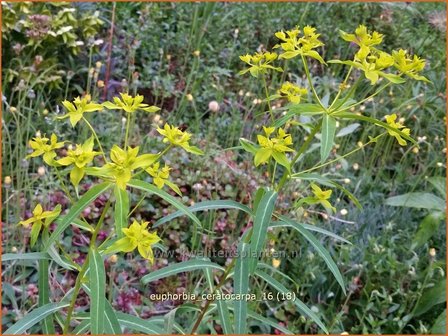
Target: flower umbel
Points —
{"points": [[77, 109], [273, 147], [292, 92], [160, 176], [42, 147], [40, 218], [123, 164], [130, 104], [79, 157], [259, 63], [320, 197], [136, 236], [363, 37], [179, 138], [294, 45], [409, 66], [390, 119]]}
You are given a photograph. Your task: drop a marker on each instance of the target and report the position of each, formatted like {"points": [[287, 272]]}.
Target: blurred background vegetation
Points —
{"points": [[182, 57]]}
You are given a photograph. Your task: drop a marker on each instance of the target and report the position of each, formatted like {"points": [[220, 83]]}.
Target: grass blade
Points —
{"points": [[206, 205], [262, 219], [82, 328], [185, 266], [300, 305], [139, 324], [97, 280], [79, 206], [241, 286], [145, 186], [44, 296], [31, 319], [319, 248], [327, 138], [121, 210]]}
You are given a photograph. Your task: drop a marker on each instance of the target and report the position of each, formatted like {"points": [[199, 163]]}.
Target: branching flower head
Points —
{"points": [[160, 176], [293, 44], [259, 63], [177, 137], [409, 66], [77, 109], [79, 157], [40, 218], [41, 146], [363, 37], [124, 163], [292, 92], [273, 147], [136, 236], [390, 119], [130, 104], [320, 197]]}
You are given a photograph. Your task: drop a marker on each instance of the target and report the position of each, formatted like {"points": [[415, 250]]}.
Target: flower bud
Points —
{"points": [[276, 263], [100, 84], [41, 171], [113, 258], [189, 97], [213, 106], [8, 180], [432, 252], [197, 53]]}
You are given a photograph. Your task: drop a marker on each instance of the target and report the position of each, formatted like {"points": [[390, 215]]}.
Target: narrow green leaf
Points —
{"points": [[241, 286], [418, 200], [431, 297], [327, 182], [34, 317], [268, 321], [300, 305], [82, 328], [138, 324], [78, 223], [121, 210], [249, 146], [224, 316], [439, 182], [203, 206], [97, 280], [44, 296], [185, 266], [258, 196], [319, 248], [439, 326], [25, 256], [311, 228], [327, 137], [168, 320], [76, 209], [145, 186], [111, 324], [347, 115], [262, 219], [428, 227]]}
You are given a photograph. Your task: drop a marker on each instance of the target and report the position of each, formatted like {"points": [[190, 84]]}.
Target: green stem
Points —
{"points": [[343, 156], [81, 274], [96, 138], [267, 99], [301, 150], [128, 123], [341, 87], [308, 76]]}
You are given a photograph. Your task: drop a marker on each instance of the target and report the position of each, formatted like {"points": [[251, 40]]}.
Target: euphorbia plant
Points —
{"points": [[276, 152]]}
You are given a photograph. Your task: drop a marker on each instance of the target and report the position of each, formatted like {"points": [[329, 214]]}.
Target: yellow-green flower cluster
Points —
{"points": [[177, 137], [373, 62], [319, 197], [41, 146], [130, 104], [390, 119], [76, 110], [273, 147], [40, 218], [136, 237], [294, 44], [259, 63], [292, 92]]}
